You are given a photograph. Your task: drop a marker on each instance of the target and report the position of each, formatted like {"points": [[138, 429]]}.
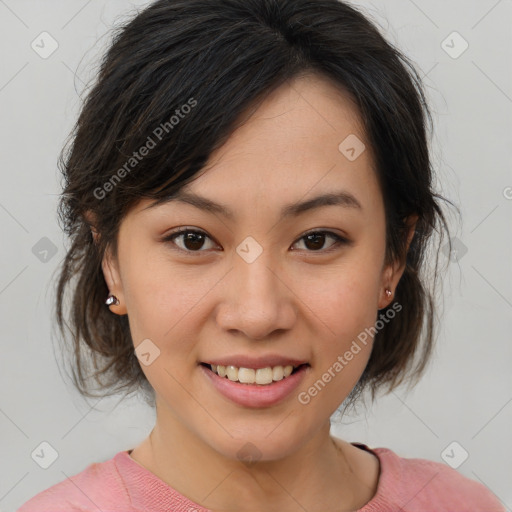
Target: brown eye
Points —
{"points": [[315, 240], [191, 240]]}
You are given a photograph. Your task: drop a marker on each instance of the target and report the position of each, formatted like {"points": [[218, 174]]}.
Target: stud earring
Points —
{"points": [[112, 300], [388, 292]]}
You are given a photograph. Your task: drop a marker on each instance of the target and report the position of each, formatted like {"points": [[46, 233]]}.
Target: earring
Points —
{"points": [[388, 292], [112, 300]]}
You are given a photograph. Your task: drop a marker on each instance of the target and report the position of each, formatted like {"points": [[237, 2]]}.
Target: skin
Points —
{"points": [[305, 303]]}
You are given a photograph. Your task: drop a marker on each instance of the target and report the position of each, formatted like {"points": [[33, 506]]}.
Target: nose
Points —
{"points": [[257, 300]]}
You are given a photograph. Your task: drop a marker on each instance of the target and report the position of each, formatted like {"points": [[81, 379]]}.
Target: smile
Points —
{"points": [[261, 376], [255, 387]]}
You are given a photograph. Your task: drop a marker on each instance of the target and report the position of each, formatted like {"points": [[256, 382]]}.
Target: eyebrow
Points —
{"points": [[339, 198]]}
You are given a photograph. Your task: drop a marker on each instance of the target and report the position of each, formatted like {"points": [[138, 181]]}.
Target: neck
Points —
{"points": [[316, 476]]}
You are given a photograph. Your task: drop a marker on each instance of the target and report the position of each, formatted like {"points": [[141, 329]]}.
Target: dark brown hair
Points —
{"points": [[220, 58]]}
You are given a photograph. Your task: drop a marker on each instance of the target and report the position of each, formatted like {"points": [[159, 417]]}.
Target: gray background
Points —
{"points": [[466, 395]]}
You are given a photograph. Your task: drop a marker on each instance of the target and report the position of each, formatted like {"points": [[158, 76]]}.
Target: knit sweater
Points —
{"points": [[122, 485]]}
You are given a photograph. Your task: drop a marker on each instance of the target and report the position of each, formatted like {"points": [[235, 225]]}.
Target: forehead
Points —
{"points": [[292, 146]]}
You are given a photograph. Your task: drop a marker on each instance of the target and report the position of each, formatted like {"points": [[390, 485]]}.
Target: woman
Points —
{"points": [[249, 191]]}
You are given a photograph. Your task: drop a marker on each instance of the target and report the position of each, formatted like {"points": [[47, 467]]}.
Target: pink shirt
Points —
{"points": [[123, 485]]}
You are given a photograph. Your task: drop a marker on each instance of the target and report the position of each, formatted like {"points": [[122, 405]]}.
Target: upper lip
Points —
{"points": [[244, 361]]}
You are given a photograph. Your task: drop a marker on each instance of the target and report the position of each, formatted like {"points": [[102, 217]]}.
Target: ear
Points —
{"points": [[110, 268], [392, 273]]}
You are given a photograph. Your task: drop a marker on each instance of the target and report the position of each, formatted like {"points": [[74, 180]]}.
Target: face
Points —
{"points": [[257, 288]]}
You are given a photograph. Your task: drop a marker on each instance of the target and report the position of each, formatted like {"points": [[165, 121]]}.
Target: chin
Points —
{"points": [[271, 442]]}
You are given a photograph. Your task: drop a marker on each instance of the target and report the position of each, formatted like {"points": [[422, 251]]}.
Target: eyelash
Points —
{"points": [[339, 240]]}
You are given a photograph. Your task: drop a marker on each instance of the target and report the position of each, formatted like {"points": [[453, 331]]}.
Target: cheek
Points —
{"points": [[343, 308], [343, 299], [163, 298], [349, 314], [161, 303], [344, 313]]}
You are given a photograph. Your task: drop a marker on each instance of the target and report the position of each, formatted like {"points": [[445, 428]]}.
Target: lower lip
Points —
{"points": [[256, 395]]}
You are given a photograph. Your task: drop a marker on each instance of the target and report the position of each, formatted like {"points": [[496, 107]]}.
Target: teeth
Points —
{"points": [[277, 372], [232, 372], [251, 376]]}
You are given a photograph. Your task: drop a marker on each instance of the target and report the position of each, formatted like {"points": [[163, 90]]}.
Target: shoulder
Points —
{"points": [[422, 484], [98, 486]]}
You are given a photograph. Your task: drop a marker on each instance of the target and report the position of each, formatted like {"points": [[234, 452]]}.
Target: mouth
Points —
{"points": [[265, 386], [259, 376]]}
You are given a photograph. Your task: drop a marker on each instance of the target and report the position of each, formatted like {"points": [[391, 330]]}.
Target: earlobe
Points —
{"points": [[387, 290], [389, 283], [115, 300], [393, 273]]}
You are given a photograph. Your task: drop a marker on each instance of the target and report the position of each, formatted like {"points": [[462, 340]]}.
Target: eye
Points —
{"points": [[192, 240], [314, 240]]}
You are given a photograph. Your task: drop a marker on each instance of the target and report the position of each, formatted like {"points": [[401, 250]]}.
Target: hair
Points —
{"points": [[182, 73]]}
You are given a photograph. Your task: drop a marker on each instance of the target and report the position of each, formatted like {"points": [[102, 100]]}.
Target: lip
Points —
{"points": [[256, 395], [244, 361]]}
